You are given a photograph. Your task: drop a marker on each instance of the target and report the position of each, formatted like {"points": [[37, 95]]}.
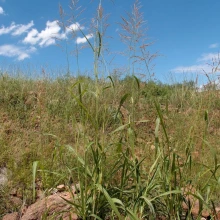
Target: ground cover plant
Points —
{"points": [[136, 149]]}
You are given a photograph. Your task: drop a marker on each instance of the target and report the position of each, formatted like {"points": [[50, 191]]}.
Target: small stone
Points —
{"points": [[152, 147], [188, 192], [61, 188], [53, 205], [11, 216], [53, 191], [3, 176]]}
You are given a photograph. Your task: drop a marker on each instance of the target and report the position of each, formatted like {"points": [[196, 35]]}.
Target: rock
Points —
{"points": [[11, 216], [52, 206], [15, 201], [218, 215], [194, 203], [61, 188], [3, 176], [152, 147]]}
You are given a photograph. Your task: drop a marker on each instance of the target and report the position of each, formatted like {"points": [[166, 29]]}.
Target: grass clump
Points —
{"points": [[135, 149], [130, 167]]}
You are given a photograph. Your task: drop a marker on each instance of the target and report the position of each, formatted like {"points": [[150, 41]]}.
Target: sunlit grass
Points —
{"points": [[132, 167], [135, 149]]}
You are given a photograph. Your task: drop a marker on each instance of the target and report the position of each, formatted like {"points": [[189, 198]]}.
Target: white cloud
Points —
{"points": [[16, 29], [207, 57], [7, 30], [74, 27], [1, 11], [32, 37], [44, 38], [214, 45], [20, 29], [82, 40], [191, 69], [47, 36], [207, 63], [20, 53]]}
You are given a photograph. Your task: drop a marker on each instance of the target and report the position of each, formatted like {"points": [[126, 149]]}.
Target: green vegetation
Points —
{"points": [[132, 154], [132, 146]]}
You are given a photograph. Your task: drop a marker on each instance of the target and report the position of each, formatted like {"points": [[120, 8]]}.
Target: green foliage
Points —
{"points": [[156, 89], [132, 148]]}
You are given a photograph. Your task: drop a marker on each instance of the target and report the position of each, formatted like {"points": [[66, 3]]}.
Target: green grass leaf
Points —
{"points": [[110, 201]]}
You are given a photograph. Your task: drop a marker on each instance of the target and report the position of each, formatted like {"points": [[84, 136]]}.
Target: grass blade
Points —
{"points": [[34, 171], [110, 201]]}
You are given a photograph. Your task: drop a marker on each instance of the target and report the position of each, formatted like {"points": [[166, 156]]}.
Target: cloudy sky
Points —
{"points": [[185, 33]]}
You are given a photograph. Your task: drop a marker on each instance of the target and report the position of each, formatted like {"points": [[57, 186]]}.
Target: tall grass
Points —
{"points": [[132, 170], [134, 149]]}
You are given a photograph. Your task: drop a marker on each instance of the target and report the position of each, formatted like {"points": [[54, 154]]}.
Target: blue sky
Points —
{"points": [[185, 33]]}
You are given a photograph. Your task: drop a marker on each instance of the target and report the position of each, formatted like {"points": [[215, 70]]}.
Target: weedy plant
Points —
{"points": [[132, 149], [132, 196], [123, 168]]}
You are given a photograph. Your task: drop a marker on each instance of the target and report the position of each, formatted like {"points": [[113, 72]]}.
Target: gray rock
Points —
{"points": [[3, 176]]}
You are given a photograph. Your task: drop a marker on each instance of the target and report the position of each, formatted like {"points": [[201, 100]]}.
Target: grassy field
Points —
{"points": [[131, 148]]}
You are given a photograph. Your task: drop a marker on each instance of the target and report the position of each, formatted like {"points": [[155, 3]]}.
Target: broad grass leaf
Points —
{"points": [[121, 128], [110, 201]]}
